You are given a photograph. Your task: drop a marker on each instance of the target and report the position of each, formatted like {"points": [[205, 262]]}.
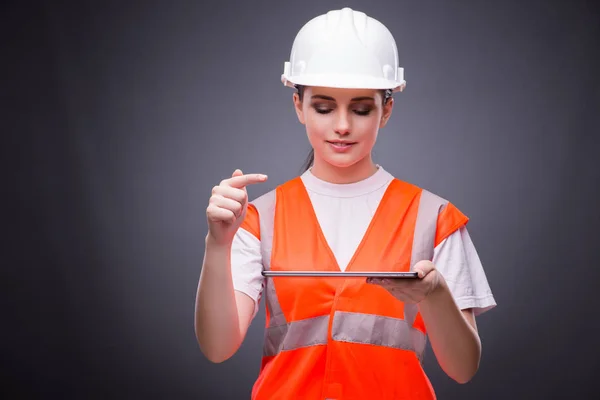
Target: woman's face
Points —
{"points": [[342, 124]]}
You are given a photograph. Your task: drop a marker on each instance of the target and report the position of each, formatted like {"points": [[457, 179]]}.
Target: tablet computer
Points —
{"points": [[342, 274]]}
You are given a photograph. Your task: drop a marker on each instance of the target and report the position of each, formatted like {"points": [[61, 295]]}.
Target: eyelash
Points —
{"points": [[357, 112]]}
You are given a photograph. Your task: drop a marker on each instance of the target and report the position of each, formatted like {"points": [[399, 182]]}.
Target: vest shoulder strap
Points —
{"points": [[430, 207], [265, 205]]}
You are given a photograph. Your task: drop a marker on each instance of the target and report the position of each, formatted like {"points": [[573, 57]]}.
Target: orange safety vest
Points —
{"points": [[341, 338]]}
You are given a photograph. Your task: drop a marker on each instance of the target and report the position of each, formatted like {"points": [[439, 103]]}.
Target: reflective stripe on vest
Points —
{"points": [[347, 327], [430, 206]]}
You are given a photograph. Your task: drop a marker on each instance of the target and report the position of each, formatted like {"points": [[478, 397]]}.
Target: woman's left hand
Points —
{"points": [[412, 291]]}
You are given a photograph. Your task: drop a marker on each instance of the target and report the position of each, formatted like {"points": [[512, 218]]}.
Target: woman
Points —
{"points": [[331, 337]]}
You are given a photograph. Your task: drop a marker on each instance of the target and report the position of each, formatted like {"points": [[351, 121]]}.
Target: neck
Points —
{"points": [[341, 175]]}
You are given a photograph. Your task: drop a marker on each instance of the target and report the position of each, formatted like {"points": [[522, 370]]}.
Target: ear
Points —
{"points": [[298, 107], [387, 112]]}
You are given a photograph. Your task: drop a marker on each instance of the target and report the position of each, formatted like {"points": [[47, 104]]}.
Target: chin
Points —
{"points": [[342, 161]]}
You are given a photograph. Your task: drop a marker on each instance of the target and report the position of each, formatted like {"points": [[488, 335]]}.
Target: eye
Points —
{"points": [[362, 111], [322, 109]]}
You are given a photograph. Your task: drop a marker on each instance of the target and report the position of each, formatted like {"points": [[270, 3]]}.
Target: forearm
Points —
{"points": [[455, 342], [216, 320]]}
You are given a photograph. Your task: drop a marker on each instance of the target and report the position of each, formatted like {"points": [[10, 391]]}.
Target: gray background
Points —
{"points": [[119, 117]]}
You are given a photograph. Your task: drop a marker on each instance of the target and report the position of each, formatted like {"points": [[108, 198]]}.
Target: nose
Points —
{"points": [[342, 124]]}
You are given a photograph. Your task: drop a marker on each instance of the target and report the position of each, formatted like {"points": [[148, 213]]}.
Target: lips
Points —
{"points": [[340, 143], [340, 146]]}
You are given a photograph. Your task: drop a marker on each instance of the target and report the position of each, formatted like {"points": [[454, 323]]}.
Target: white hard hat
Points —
{"points": [[344, 49]]}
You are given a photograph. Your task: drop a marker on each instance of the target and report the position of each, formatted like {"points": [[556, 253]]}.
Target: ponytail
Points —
{"points": [[309, 161]]}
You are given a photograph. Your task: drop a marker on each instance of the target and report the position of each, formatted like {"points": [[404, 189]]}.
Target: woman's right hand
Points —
{"points": [[227, 206]]}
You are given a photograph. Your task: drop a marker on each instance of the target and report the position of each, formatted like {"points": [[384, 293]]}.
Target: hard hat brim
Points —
{"points": [[343, 81]]}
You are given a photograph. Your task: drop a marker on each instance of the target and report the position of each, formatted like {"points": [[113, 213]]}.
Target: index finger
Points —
{"points": [[242, 181]]}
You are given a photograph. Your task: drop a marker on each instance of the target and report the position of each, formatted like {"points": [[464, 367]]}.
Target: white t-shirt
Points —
{"points": [[344, 211]]}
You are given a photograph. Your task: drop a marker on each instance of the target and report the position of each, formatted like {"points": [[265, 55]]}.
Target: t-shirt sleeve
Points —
{"points": [[456, 258], [246, 258]]}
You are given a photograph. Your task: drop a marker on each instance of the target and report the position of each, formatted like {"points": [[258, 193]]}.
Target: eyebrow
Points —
{"points": [[320, 96]]}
